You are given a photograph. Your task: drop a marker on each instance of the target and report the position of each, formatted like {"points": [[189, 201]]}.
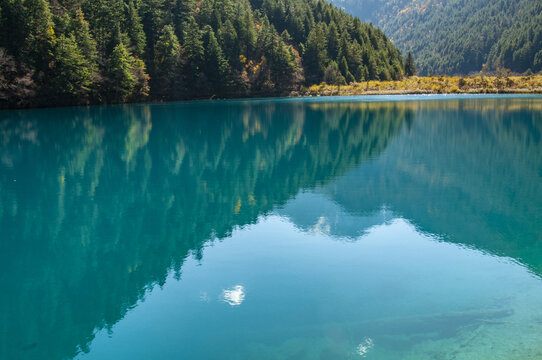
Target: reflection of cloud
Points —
{"points": [[322, 226], [365, 346], [316, 212], [234, 296]]}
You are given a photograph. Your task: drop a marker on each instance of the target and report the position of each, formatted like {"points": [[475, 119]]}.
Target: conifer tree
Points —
{"points": [[167, 64], [40, 32], [315, 54], [343, 66], [134, 29], [332, 41], [127, 77], [71, 73], [85, 41], [410, 67], [333, 75], [194, 54], [215, 65], [193, 46], [227, 36]]}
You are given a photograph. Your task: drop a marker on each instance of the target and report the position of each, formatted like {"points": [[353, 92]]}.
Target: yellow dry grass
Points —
{"points": [[480, 84]]}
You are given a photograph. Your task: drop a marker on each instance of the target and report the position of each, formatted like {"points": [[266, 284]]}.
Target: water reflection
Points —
{"points": [[98, 204], [234, 296]]}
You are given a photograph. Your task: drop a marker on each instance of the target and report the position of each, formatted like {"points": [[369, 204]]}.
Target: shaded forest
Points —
{"points": [[63, 52]]}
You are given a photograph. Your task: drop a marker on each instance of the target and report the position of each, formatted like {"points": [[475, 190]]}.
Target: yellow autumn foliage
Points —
{"points": [[434, 85]]}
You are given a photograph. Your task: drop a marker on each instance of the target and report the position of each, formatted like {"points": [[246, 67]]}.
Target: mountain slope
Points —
{"points": [[93, 51], [460, 36]]}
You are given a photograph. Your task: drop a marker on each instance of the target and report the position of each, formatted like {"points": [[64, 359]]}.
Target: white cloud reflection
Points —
{"points": [[366, 345], [234, 296], [321, 226]]}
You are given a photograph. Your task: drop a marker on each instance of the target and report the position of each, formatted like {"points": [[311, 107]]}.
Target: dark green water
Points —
{"points": [[339, 228]]}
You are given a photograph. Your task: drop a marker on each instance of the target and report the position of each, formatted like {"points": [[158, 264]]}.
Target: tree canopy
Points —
{"points": [[101, 51]]}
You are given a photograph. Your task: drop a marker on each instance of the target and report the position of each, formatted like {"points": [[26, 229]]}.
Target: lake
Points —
{"points": [[327, 228]]}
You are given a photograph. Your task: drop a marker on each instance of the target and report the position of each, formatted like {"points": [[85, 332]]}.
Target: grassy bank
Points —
{"points": [[434, 85]]}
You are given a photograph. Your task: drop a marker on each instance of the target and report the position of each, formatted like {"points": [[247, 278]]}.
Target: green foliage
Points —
{"points": [[215, 64], [410, 67], [92, 51], [194, 54], [72, 71], [126, 75], [167, 62], [459, 36], [315, 54], [333, 75], [39, 33], [134, 29]]}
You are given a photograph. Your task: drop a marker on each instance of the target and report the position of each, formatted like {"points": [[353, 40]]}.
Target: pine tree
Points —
{"points": [[193, 46], [315, 55], [71, 73], [104, 17], [332, 41], [215, 65], [127, 77], [247, 32], [410, 67], [333, 75], [134, 29], [343, 66], [85, 41], [362, 73], [284, 66], [167, 62], [229, 42], [40, 33]]}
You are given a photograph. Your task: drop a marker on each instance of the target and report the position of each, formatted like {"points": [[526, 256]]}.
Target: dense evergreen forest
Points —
{"points": [[460, 36], [60, 52]]}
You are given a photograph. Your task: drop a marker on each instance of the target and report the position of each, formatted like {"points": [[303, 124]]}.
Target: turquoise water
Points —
{"points": [[336, 228]]}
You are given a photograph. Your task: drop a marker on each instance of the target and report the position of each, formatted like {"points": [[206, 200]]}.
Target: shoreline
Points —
{"points": [[329, 92], [479, 85], [416, 85]]}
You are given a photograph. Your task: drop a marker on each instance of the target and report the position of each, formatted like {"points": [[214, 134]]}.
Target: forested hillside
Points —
{"points": [[58, 52], [460, 36]]}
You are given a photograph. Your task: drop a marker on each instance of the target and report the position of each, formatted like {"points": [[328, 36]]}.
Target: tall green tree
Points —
{"points": [[72, 72], [332, 41], [410, 67], [229, 41], [315, 55], [343, 66], [40, 33], [167, 64], [215, 65], [104, 17], [134, 29], [126, 74], [193, 52]]}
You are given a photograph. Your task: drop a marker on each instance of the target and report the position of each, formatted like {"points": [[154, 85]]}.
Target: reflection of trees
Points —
{"points": [[97, 204], [472, 174]]}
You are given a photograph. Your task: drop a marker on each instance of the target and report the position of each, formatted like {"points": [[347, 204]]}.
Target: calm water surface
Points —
{"points": [[338, 228]]}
